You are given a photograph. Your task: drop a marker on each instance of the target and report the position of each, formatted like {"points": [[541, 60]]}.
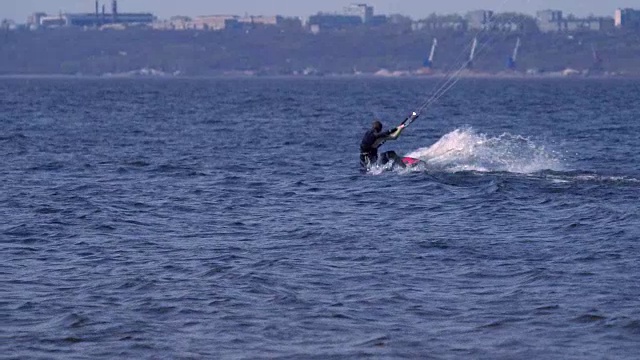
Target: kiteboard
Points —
{"points": [[410, 162]]}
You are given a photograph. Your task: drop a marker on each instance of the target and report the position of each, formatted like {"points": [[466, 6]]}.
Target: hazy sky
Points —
{"points": [[20, 9]]}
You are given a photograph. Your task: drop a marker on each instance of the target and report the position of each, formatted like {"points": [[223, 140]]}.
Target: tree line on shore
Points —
{"points": [[276, 51]]}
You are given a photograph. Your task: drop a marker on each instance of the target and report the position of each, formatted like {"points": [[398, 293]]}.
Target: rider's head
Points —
{"points": [[377, 125]]}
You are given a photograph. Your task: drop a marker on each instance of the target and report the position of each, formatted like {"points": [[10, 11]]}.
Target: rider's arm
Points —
{"points": [[395, 133]]}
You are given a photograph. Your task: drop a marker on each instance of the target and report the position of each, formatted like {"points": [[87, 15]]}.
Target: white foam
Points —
{"points": [[466, 150], [599, 178]]}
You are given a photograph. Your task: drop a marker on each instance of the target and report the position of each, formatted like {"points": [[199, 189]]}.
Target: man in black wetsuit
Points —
{"points": [[372, 140]]}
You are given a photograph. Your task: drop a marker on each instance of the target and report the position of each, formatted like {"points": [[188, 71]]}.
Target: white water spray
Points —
{"points": [[467, 150]]}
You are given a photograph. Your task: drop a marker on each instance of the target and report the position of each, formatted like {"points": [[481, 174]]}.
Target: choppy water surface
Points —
{"points": [[229, 219]]}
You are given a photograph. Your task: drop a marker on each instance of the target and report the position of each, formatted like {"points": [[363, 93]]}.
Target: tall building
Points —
{"points": [[627, 18]]}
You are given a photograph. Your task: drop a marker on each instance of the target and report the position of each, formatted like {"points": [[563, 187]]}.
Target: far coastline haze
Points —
{"points": [[415, 8]]}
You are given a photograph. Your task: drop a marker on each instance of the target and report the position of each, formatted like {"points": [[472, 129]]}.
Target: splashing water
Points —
{"points": [[467, 150]]}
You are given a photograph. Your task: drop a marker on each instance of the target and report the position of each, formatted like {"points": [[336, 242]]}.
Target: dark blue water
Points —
{"points": [[229, 219]]}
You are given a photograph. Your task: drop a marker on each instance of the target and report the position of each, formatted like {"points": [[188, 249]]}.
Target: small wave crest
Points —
{"points": [[466, 150], [577, 176]]}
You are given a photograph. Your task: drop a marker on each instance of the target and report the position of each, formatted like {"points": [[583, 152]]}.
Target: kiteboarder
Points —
{"points": [[374, 138]]}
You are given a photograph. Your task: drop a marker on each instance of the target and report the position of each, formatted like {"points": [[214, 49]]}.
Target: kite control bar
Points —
{"points": [[410, 119]]}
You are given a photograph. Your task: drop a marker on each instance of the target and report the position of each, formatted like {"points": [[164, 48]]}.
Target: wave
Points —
{"points": [[467, 150], [588, 177]]}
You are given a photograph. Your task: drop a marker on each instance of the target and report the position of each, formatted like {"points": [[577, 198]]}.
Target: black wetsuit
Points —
{"points": [[369, 147]]}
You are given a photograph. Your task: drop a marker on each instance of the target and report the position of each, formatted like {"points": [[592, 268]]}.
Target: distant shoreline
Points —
{"points": [[481, 76]]}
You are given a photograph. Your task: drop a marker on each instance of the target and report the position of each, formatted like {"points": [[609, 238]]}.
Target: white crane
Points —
{"points": [[511, 62], [473, 52]]}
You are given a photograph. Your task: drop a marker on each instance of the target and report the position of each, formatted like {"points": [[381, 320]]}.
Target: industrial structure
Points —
{"points": [[512, 60], [98, 18], [428, 63], [472, 54]]}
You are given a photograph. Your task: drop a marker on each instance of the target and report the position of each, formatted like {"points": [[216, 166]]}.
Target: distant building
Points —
{"points": [[174, 23], [322, 22], [261, 20], [435, 22], [480, 19], [352, 16], [253, 22], [363, 11], [607, 23], [554, 21], [226, 22], [627, 18], [53, 21], [292, 23], [214, 22], [549, 20], [587, 24], [33, 21], [506, 26]]}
